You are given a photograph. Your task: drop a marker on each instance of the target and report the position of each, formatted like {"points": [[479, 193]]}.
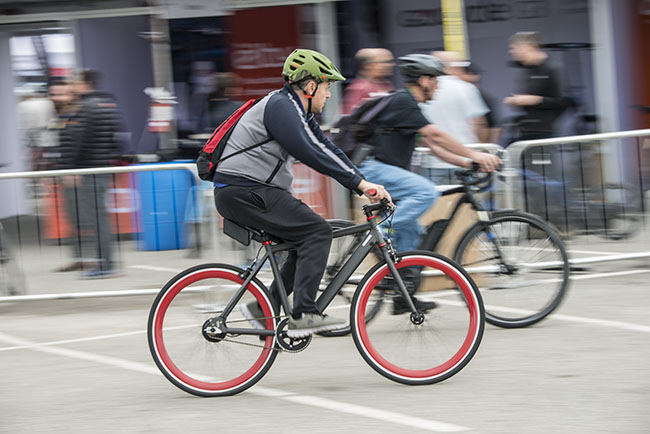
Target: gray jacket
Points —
{"points": [[280, 118]]}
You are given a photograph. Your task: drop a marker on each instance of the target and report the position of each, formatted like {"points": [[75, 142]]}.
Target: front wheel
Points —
{"points": [[520, 265], [197, 357], [421, 347]]}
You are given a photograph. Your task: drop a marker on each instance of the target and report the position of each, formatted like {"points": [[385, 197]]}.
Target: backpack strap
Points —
{"points": [[246, 149], [378, 108]]}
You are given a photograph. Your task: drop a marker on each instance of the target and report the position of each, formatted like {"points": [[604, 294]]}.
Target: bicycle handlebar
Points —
{"points": [[382, 205], [469, 177]]}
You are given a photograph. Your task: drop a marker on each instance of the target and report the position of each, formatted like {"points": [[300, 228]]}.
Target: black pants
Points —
{"points": [[87, 213], [278, 213]]}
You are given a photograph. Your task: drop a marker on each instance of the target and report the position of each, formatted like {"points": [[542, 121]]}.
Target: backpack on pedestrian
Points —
{"points": [[210, 154], [354, 133]]}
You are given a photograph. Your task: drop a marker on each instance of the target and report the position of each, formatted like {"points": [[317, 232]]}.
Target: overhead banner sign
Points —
{"points": [[257, 54]]}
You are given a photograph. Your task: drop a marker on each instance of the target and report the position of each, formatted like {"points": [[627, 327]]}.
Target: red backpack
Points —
{"points": [[212, 151]]}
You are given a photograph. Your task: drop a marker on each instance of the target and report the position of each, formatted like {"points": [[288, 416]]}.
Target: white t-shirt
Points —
{"points": [[455, 104]]}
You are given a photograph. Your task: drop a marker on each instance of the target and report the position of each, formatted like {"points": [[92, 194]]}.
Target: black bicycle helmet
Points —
{"points": [[414, 66]]}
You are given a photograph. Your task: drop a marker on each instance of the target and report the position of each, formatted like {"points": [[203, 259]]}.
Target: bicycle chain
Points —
{"points": [[251, 345], [255, 345]]}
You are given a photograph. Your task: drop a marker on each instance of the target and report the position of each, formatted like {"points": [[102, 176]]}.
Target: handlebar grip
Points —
{"points": [[372, 192]]}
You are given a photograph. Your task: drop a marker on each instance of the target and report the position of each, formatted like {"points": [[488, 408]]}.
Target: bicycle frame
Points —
{"points": [[372, 238]]}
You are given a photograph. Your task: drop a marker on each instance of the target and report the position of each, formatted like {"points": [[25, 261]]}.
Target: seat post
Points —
{"points": [[277, 276]]}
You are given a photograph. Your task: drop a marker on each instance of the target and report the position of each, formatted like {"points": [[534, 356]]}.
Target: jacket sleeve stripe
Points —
{"points": [[328, 152]]}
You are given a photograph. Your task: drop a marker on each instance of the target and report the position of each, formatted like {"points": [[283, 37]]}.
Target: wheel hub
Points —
{"points": [[417, 318], [509, 269], [212, 330]]}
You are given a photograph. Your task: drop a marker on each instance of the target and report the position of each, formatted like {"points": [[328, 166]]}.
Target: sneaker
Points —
{"points": [[97, 273], [311, 323], [253, 313], [400, 305]]}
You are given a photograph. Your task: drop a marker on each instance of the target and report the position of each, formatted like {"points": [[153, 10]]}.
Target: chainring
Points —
{"points": [[288, 344]]}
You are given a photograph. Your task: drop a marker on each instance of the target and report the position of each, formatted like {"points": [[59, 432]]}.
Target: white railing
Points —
{"points": [[593, 188]]}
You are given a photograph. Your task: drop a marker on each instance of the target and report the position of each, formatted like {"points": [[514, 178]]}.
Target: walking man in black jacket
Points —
{"points": [[538, 91]]}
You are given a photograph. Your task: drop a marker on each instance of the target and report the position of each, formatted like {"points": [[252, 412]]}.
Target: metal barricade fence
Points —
{"points": [[92, 219], [590, 187], [147, 219], [585, 185], [594, 189]]}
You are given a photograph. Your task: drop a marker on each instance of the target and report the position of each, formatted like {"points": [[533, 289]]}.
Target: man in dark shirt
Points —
{"points": [[400, 122], [538, 91]]}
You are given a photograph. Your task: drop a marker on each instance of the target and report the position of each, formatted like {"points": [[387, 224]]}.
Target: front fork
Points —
{"points": [[390, 256]]}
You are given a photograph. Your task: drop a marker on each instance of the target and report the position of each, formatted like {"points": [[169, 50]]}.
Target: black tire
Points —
{"points": [[341, 250], [532, 283], [422, 350], [182, 351]]}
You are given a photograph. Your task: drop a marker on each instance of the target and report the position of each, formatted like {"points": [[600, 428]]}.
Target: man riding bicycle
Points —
{"points": [[400, 124], [253, 188]]}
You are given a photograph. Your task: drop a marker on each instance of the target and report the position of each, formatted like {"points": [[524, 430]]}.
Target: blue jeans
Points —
{"points": [[413, 194]]}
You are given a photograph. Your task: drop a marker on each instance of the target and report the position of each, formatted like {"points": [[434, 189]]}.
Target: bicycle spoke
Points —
{"points": [[429, 346], [189, 346], [522, 263]]}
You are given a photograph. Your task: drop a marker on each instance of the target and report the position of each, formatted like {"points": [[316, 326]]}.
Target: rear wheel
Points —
{"points": [[422, 347], [520, 265], [191, 351]]}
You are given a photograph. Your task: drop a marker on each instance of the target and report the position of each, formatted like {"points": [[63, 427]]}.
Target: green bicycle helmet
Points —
{"points": [[303, 63]]}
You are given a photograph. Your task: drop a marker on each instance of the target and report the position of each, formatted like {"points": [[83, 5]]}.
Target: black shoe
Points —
{"points": [[400, 305]]}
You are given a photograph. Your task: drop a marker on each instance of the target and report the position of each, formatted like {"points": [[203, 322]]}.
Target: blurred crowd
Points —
{"points": [[461, 106], [76, 125]]}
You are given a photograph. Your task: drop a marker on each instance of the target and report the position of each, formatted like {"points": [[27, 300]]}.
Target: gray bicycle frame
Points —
{"points": [[373, 238]]}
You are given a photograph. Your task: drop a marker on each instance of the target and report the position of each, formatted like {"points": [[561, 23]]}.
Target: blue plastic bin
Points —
{"points": [[163, 201]]}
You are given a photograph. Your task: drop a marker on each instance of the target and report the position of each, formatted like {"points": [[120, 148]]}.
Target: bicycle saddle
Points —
{"points": [[244, 234]]}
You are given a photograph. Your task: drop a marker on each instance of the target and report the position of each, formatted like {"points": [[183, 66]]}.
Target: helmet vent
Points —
{"points": [[321, 62]]}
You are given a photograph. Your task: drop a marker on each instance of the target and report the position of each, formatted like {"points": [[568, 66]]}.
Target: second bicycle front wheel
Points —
{"points": [[520, 265], [413, 348]]}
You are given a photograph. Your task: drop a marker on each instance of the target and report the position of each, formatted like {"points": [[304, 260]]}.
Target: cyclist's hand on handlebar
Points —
{"points": [[488, 162], [374, 192]]}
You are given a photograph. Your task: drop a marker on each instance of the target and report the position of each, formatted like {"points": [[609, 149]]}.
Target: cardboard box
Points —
{"points": [[447, 245]]}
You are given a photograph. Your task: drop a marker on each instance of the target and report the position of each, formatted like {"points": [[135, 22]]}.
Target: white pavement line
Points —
{"points": [[373, 413], [592, 252], [570, 318], [155, 268], [611, 274], [602, 322], [313, 401], [267, 283], [72, 341], [81, 355], [73, 295]]}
